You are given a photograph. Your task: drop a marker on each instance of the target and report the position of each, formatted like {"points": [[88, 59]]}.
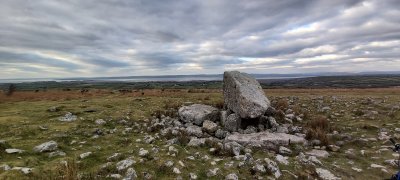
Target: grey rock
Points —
{"points": [[281, 159], [169, 163], [233, 147], [143, 152], [5, 167], [232, 122], [223, 116], [325, 174], [13, 151], [46, 147], [194, 131], [57, 153], [318, 153], [284, 150], [210, 126], [114, 176], [100, 122], [85, 155], [250, 129], [244, 95], [198, 113], [68, 117], [212, 172], [259, 168], [196, 142], [221, 134], [130, 174], [124, 164], [231, 176], [265, 139], [192, 176], [273, 167]]}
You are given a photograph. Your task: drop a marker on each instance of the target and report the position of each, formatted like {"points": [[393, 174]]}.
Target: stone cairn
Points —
{"points": [[247, 117]]}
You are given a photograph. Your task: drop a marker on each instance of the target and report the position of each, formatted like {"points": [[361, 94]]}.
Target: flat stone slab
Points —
{"points": [[265, 139]]}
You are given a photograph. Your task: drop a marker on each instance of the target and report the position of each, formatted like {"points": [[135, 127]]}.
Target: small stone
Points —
{"points": [[194, 131], [273, 167], [318, 153], [13, 151], [250, 129], [221, 134], [68, 117], [281, 159], [325, 174], [210, 126], [212, 172], [57, 153], [46, 147], [114, 176], [143, 152], [169, 163], [130, 174], [192, 176], [85, 155], [231, 176], [259, 168], [176, 170], [100, 122], [284, 150], [124, 164]]}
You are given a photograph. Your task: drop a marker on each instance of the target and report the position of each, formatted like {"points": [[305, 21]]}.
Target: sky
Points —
{"points": [[75, 38]]}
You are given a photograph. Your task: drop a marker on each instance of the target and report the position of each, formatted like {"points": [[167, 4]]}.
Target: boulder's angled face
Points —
{"points": [[244, 95]]}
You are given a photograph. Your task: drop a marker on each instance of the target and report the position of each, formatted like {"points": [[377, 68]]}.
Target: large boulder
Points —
{"points": [[265, 139], [198, 113], [244, 95]]}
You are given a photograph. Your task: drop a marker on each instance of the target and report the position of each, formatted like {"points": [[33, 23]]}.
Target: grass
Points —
{"points": [[22, 113]]}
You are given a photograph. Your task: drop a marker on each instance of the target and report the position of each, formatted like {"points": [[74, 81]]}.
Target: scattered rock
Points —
{"points": [[221, 134], [192, 176], [198, 113], [130, 174], [46, 147], [68, 117], [244, 95], [143, 152], [210, 126], [194, 131], [13, 151], [231, 176], [259, 168], [196, 142], [212, 172], [57, 153], [100, 122], [318, 153], [281, 159], [284, 150], [122, 165], [273, 167], [85, 155], [176, 170], [325, 174]]}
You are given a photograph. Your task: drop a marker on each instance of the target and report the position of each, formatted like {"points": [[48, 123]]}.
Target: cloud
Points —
{"points": [[123, 37]]}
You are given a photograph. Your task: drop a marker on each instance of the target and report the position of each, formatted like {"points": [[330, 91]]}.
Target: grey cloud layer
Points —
{"points": [[108, 38]]}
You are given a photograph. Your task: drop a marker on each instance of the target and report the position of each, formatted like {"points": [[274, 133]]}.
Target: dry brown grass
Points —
{"points": [[317, 129]]}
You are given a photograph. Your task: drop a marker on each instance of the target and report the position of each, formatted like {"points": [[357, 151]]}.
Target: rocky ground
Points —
{"points": [[110, 135]]}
